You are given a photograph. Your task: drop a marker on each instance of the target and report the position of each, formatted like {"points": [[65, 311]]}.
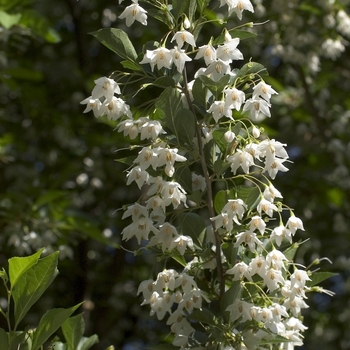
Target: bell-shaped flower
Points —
{"points": [[181, 243], [258, 265], [274, 167], [161, 57], [173, 193], [92, 105], [273, 279], [149, 129], [135, 211], [208, 52], [105, 87], [134, 13], [257, 223], [228, 51], [217, 69], [267, 207], [241, 159], [198, 182], [295, 223], [240, 270], [138, 175], [234, 98], [298, 278], [263, 90], [219, 109], [179, 58], [240, 308], [249, 238], [183, 36], [271, 192], [279, 233], [168, 157], [139, 229], [147, 156], [129, 128], [276, 259], [239, 6], [115, 108], [255, 106]]}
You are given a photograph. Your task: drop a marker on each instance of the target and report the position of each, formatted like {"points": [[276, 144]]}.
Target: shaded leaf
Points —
{"points": [[235, 33], [192, 225], [229, 297], [117, 41], [216, 87], [318, 277], [185, 125], [86, 343], [4, 339], [73, 329], [49, 323]]}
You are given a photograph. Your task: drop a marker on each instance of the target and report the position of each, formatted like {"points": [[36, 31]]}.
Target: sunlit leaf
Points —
{"points": [[73, 329], [8, 20]]}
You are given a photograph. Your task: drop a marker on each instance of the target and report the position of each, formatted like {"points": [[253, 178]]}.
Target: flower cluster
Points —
{"points": [[196, 134]]}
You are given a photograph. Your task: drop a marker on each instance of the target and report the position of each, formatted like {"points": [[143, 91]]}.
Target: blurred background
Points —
{"points": [[61, 188]]}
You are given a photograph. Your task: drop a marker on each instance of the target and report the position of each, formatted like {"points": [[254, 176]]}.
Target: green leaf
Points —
{"points": [[169, 104], [21, 73], [220, 200], [229, 297], [17, 338], [249, 70], [230, 252], [7, 20], [73, 329], [19, 265], [133, 66], [235, 33], [202, 5], [117, 41], [49, 324], [59, 346], [32, 284], [87, 343], [192, 9], [192, 225], [318, 277], [185, 125], [49, 197], [183, 176], [164, 82], [179, 7], [203, 315], [4, 341], [199, 92], [218, 136], [216, 87]]}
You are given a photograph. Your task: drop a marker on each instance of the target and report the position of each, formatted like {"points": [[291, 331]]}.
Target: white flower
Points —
{"points": [[235, 208], [240, 308], [249, 238], [147, 157], [295, 305], [161, 57], [267, 207], [279, 233], [105, 87], [129, 128], [181, 242], [217, 69], [134, 13], [179, 58], [239, 6], [208, 52], [164, 237], [92, 104], [173, 193], [139, 229], [271, 192], [198, 182], [257, 223], [258, 266], [234, 98], [240, 270], [228, 51], [274, 167], [299, 278], [241, 159], [255, 106], [115, 108], [219, 109], [149, 128], [138, 175], [276, 259], [273, 278], [168, 157], [294, 223], [263, 90], [135, 211], [183, 36]]}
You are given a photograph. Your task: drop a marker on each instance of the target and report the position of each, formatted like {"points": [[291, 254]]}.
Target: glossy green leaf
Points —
{"points": [[318, 277], [249, 70], [203, 315], [220, 200], [49, 323], [185, 125], [73, 329], [8, 20], [199, 93], [164, 82], [32, 284], [4, 341], [117, 41], [179, 7], [192, 225], [229, 297], [133, 66], [86, 343], [19, 265]]}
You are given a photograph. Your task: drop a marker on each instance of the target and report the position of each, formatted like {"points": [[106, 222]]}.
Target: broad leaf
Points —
{"points": [[32, 284], [199, 93], [318, 277], [73, 329], [203, 315], [235, 33], [49, 324], [117, 41], [185, 125], [229, 297], [59, 346], [4, 341], [19, 265], [192, 225], [179, 7], [249, 70]]}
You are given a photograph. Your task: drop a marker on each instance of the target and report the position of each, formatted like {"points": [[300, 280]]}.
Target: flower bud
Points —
{"points": [[229, 136], [187, 23], [255, 132]]}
